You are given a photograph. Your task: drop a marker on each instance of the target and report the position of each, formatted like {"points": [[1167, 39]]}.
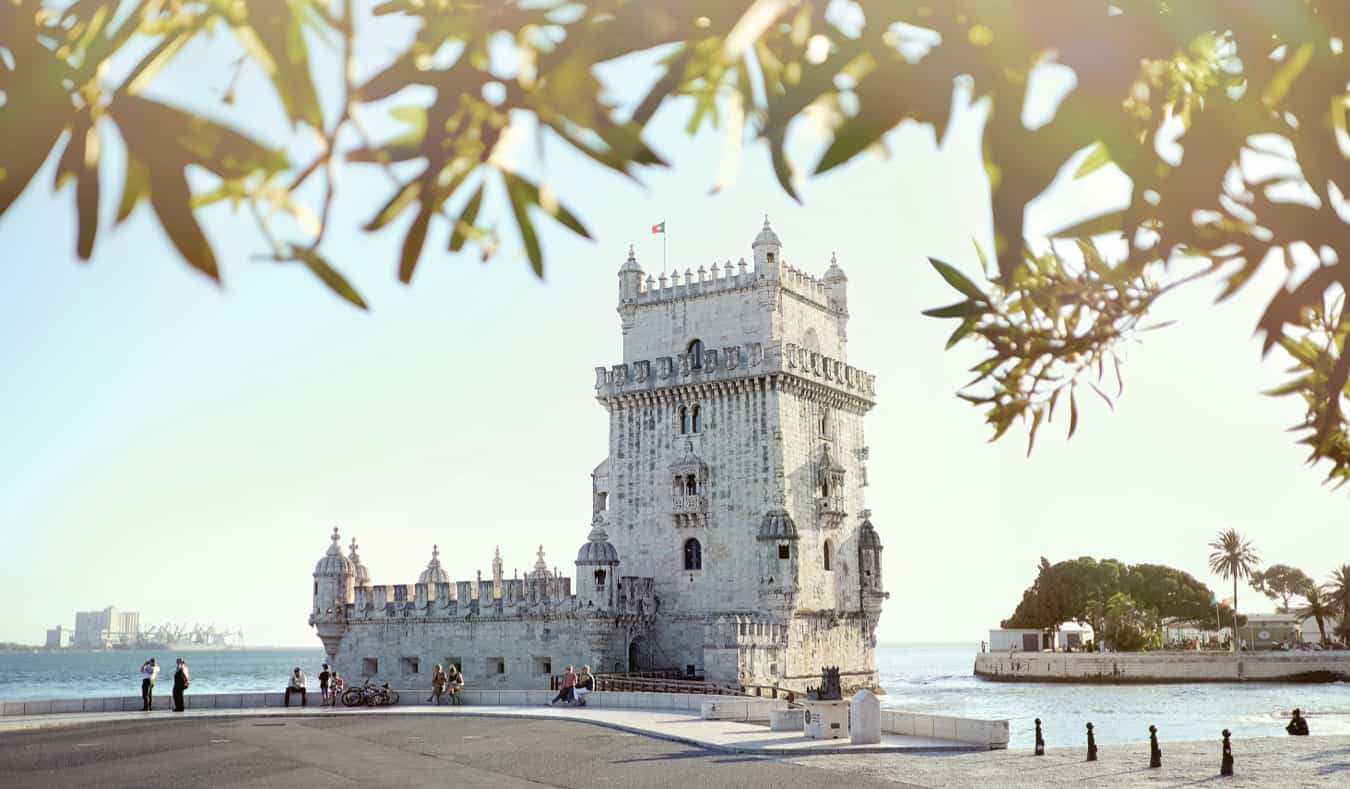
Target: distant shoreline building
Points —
{"points": [[729, 535], [106, 629]]}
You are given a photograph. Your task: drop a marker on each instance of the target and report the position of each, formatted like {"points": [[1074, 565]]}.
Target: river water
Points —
{"points": [[933, 678]]}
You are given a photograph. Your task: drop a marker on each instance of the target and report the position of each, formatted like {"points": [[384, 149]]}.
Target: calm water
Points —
{"points": [[932, 678]]}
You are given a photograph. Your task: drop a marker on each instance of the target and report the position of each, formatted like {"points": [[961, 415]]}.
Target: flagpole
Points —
{"points": [[663, 248]]}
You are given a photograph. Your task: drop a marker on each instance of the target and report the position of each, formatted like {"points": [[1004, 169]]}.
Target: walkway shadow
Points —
{"points": [[692, 754]]}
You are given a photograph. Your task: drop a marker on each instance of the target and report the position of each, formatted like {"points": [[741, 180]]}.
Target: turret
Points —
{"points": [[837, 285], [435, 573], [779, 562], [768, 252], [360, 576], [597, 565], [333, 577], [630, 287], [869, 562]]}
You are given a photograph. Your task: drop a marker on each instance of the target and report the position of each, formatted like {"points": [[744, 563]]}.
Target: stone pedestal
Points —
{"points": [[826, 720], [864, 718], [787, 720]]}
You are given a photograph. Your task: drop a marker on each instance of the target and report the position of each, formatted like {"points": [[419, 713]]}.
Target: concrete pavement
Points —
{"points": [[326, 751]]}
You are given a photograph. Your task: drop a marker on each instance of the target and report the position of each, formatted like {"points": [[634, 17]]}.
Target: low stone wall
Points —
{"points": [[992, 733], [1162, 667]]}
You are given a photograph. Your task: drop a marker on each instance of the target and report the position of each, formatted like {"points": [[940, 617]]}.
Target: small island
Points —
{"points": [[1102, 621]]}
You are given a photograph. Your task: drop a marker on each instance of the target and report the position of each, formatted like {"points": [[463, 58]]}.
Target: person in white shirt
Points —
{"points": [[297, 686], [149, 670]]}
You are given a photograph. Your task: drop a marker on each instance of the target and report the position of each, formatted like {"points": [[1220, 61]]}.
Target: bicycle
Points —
{"points": [[367, 695]]}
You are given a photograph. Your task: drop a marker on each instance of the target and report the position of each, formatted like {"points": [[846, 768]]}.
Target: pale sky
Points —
{"points": [[183, 450]]}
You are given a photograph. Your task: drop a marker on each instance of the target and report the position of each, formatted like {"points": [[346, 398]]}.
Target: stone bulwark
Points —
{"points": [[1164, 667]]}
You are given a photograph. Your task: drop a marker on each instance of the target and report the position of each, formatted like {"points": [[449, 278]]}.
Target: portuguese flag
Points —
{"points": [[659, 228]]}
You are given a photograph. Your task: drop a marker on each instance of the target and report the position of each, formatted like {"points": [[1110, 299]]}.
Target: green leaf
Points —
{"points": [[1099, 157], [1108, 222], [529, 193], [167, 133], [412, 243], [956, 279], [171, 198], [1073, 411], [466, 219], [517, 190], [965, 328], [330, 277], [134, 189], [403, 198], [958, 310], [274, 39]]}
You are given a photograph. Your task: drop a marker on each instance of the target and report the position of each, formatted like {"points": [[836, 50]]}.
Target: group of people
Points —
{"points": [[331, 685], [150, 672], [574, 687], [446, 682]]}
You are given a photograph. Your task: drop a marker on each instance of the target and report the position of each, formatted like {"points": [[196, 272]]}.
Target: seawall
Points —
{"points": [[1163, 667]]}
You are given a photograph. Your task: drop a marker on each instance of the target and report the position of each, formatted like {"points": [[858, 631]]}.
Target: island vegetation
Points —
{"points": [[1128, 606]]}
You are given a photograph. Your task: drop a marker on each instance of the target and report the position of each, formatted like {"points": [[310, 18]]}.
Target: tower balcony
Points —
{"points": [[689, 511], [830, 511]]}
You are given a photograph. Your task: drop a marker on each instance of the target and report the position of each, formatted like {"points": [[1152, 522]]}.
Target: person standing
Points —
{"points": [[180, 684], [149, 670], [297, 685], [324, 677]]}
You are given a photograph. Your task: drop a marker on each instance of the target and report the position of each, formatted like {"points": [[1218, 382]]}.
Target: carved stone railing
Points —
{"points": [[830, 511], [809, 364], [689, 505]]}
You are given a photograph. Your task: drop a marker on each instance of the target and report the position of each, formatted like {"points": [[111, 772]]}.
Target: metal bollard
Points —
{"points": [[1092, 744], [1154, 752], [1227, 767], [1040, 741]]}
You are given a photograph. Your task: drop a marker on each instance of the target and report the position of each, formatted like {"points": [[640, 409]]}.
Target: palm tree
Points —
{"points": [[1318, 608], [1235, 558], [1338, 593]]}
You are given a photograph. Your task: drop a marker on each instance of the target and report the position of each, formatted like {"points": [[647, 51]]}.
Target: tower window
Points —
{"points": [[684, 420], [695, 419], [824, 423], [696, 354], [783, 552], [599, 579], [826, 554], [693, 555]]}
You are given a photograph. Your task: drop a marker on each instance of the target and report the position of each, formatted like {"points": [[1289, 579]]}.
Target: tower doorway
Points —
{"points": [[635, 655]]}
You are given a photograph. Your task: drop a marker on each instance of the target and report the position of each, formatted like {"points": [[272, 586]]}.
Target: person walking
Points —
{"points": [[569, 681], [438, 683], [149, 670], [324, 677], [180, 684], [297, 685]]}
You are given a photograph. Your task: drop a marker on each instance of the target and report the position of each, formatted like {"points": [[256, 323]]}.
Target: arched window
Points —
{"points": [[696, 354], [824, 423], [684, 420], [827, 553], [693, 555], [690, 485], [696, 419], [599, 579], [825, 488]]}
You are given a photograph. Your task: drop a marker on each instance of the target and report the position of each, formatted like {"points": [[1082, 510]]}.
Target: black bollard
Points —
{"points": [[1227, 767], [1154, 752], [1040, 741], [1092, 745]]}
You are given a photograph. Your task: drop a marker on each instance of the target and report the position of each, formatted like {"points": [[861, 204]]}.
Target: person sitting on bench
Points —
{"points": [[585, 684], [297, 686]]}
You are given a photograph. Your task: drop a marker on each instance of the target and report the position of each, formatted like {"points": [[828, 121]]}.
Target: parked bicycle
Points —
{"points": [[370, 695]]}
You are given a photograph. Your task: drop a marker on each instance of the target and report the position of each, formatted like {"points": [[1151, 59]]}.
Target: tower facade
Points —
{"points": [[737, 470]]}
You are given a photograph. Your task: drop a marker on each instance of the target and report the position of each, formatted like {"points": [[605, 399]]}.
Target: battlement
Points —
{"points": [[733, 362], [519, 598], [693, 284]]}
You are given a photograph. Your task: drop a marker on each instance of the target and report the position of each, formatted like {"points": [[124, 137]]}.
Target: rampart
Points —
{"points": [[1163, 667]]}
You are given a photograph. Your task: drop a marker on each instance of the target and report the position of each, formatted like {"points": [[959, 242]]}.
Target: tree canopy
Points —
{"points": [[1281, 582], [1228, 117], [1115, 597]]}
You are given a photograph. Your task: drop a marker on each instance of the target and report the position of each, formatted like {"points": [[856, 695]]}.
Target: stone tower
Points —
{"points": [[736, 471]]}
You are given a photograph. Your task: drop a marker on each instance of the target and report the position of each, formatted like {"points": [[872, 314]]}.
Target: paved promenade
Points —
{"points": [[556, 746], [673, 725]]}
